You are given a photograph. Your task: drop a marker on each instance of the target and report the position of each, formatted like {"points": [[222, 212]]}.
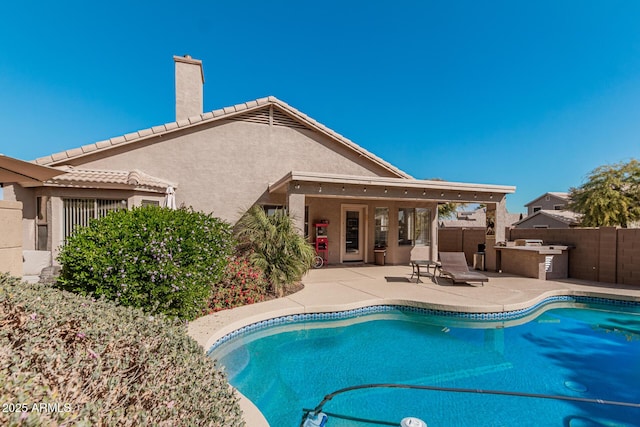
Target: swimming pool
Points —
{"points": [[574, 347]]}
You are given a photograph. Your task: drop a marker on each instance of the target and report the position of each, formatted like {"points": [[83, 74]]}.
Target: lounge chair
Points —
{"points": [[454, 266]]}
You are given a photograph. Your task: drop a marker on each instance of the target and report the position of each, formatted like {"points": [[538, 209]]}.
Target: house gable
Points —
{"points": [[224, 161], [549, 219], [270, 111], [550, 198]]}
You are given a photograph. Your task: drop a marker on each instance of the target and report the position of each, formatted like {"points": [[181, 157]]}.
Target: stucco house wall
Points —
{"points": [[11, 241], [226, 167], [548, 201]]}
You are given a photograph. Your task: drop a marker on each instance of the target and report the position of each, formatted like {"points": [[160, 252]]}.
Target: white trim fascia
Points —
{"points": [[388, 182]]}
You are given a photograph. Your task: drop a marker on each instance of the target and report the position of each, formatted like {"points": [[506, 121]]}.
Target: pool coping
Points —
{"points": [[506, 316], [347, 289]]}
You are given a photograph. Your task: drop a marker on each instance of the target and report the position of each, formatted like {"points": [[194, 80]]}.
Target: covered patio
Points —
{"points": [[368, 212]]}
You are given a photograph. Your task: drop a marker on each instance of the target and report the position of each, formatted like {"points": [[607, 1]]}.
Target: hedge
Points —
{"points": [[71, 360]]}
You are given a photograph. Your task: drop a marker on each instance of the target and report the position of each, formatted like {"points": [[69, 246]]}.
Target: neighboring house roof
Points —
{"points": [[476, 219], [94, 178], [291, 116], [556, 194], [567, 217]]}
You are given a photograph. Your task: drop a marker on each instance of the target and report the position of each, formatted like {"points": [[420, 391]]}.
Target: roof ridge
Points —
{"points": [[214, 115]]}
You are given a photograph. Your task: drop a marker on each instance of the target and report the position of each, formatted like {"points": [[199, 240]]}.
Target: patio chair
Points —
{"points": [[454, 266]]}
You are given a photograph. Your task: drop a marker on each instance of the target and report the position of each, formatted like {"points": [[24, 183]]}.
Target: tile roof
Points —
{"points": [[96, 178], [223, 113]]}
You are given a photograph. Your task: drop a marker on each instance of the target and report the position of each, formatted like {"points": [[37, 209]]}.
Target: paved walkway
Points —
{"points": [[344, 288]]}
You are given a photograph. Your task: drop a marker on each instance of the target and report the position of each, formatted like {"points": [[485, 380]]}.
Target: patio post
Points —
{"points": [[496, 222], [295, 206], [434, 230]]}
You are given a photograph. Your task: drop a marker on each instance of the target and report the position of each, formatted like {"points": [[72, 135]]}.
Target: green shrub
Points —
{"points": [[93, 363], [242, 284], [274, 246], [157, 259]]}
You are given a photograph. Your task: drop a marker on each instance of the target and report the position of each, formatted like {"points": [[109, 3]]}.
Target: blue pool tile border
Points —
{"points": [[348, 314]]}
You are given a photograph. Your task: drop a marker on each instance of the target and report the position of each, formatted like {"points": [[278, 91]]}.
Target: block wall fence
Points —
{"points": [[606, 254]]}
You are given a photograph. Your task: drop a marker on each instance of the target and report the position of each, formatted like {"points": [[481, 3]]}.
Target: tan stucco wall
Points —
{"points": [[226, 167], [542, 203], [11, 237]]}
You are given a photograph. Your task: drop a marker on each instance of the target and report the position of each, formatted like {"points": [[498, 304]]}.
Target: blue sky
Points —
{"points": [[530, 94]]}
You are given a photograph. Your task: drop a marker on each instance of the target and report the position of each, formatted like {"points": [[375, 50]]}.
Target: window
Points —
{"points": [[405, 226], [271, 209], [78, 212], [423, 227], [558, 207], [382, 227], [414, 226], [537, 208], [42, 227], [306, 221], [149, 203]]}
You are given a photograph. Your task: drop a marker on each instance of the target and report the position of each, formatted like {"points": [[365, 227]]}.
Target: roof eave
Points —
{"points": [[387, 182]]}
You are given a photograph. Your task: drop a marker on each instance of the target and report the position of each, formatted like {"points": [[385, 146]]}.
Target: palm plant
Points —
{"points": [[273, 245]]}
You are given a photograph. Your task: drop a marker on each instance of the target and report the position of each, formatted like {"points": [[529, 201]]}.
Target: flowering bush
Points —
{"points": [[241, 284], [157, 259]]}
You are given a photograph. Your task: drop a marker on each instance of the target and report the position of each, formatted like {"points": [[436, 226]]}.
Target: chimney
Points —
{"points": [[189, 82]]}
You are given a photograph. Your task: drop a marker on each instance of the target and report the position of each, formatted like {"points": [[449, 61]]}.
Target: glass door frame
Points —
{"points": [[362, 228]]}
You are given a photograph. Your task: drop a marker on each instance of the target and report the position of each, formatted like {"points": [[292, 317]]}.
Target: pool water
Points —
{"points": [[590, 352]]}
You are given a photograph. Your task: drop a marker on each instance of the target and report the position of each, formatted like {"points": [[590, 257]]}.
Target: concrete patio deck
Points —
{"points": [[345, 288]]}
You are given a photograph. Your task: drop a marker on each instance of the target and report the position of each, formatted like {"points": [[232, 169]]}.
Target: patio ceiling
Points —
{"points": [[373, 187]]}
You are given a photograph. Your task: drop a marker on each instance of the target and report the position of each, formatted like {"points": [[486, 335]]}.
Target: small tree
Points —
{"points": [[274, 246], [449, 210], [610, 197], [156, 259]]}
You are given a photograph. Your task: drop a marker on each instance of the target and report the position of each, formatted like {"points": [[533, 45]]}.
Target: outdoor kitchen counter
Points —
{"points": [[540, 262]]}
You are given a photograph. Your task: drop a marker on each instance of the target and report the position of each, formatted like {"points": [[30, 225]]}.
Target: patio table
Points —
{"points": [[427, 264]]}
